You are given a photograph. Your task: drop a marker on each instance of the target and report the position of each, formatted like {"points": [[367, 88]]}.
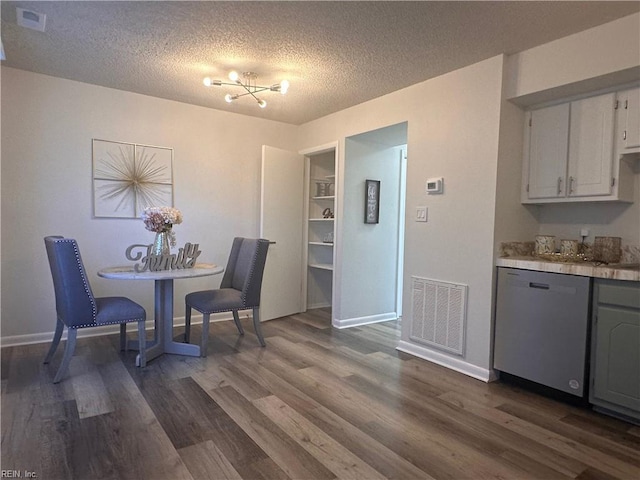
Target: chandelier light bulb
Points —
{"points": [[248, 85]]}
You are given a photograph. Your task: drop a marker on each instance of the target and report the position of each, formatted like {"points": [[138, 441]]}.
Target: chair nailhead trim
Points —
{"points": [[243, 296], [106, 323], [85, 282]]}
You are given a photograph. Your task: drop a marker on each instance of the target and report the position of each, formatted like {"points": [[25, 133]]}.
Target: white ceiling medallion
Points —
{"points": [[248, 84]]}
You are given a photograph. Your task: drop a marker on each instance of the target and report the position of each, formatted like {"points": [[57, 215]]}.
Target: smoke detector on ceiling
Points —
{"points": [[31, 19]]}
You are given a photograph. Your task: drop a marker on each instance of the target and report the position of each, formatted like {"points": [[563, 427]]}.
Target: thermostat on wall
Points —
{"points": [[434, 185]]}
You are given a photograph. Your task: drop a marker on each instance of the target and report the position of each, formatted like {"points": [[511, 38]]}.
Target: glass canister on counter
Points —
{"points": [[607, 249], [545, 244], [569, 248]]}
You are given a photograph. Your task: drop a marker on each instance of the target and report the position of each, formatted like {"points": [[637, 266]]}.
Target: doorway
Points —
{"points": [[372, 255]]}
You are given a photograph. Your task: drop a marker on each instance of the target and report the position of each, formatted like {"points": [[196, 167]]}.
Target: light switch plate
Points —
{"points": [[421, 214]]}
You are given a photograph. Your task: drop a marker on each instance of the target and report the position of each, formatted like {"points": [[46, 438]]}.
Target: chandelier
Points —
{"points": [[248, 83]]}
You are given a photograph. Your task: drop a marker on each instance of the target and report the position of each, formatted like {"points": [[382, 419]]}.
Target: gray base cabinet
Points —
{"points": [[615, 359]]}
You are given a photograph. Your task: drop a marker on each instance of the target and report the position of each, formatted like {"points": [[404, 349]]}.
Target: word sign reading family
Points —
{"points": [[185, 258]]}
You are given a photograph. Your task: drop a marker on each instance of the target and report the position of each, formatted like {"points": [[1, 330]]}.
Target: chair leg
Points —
{"points": [[68, 353], [142, 344], [236, 319], [205, 334], [187, 324], [123, 337], [256, 325], [55, 342]]}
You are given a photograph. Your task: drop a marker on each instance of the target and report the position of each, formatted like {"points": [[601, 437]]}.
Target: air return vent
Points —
{"points": [[30, 19], [439, 314]]}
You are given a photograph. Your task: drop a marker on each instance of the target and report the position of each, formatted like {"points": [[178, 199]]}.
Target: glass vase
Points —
{"points": [[161, 244]]}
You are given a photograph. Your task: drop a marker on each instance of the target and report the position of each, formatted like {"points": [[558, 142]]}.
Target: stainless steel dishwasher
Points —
{"points": [[541, 331]]}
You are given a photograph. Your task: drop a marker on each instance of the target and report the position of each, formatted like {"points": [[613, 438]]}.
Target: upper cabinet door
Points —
{"points": [[547, 151], [591, 146], [629, 129]]}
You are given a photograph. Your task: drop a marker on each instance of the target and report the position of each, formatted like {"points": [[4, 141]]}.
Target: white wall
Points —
{"points": [[47, 127], [601, 219], [595, 58], [453, 125], [369, 266], [514, 221]]}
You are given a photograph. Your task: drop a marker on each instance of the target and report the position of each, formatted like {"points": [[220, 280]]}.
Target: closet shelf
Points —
{"points": [[321, 219], [325, 244], [325, 197], [321, 266]]}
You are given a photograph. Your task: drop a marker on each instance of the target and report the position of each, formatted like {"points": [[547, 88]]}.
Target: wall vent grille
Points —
{"points": [[439, 314]]}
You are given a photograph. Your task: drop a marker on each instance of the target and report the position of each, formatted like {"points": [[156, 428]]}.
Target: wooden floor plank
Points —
{"points": [[205, 461], [146, 448], [389, 463], [284, 451], [321, 446], [519, 445], [90, 392], [317, 402], [440, 437]]}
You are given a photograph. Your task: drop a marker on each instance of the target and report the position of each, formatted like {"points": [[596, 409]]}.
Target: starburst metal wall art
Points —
{"points": [[128, 177]]}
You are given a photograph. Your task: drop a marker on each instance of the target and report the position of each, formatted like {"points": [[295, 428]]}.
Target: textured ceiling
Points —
{"points": [[335, 54]]}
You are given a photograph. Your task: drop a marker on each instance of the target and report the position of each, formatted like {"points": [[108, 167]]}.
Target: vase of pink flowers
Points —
{"points": [[161, 221]]}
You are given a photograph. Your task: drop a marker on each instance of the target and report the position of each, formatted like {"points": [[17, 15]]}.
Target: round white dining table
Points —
{"points": [[163, 336]]}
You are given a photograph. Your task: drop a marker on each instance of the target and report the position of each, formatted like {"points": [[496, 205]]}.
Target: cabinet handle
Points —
{"points": [[559, 185], [624, 135], [570, 185], [541, 286]]}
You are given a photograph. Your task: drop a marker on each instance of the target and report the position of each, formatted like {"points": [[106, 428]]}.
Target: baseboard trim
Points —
{"points": [[33, 338], [318, 305], [446, 361], [358, 321]]}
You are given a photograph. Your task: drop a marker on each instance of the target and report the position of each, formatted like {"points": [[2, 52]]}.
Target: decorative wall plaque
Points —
{"points": [[128, 177]]}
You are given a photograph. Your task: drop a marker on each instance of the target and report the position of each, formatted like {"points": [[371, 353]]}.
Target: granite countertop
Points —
{"points": [[629, 272], [520, 255]]}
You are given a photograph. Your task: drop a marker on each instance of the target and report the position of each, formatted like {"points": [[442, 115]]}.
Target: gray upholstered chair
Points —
{"points": [[76, 306], [239, 290]]}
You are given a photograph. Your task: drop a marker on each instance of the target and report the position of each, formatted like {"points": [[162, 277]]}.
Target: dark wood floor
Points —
{"points": [[316, 403]]}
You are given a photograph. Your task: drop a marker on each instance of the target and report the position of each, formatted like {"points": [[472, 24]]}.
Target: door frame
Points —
{"points": [[402, 208], [337, 239]]}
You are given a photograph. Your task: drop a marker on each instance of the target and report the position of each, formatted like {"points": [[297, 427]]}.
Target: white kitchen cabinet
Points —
{"points": [[548, 141], [628, 122], [569, 154], [591, 146]]}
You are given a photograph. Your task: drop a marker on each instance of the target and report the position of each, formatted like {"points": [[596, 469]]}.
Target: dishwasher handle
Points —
{"points": [[541, 286]]}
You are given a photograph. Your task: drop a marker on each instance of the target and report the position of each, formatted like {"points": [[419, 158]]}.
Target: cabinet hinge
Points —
{"points": [[615, 105], [613, 181]]}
